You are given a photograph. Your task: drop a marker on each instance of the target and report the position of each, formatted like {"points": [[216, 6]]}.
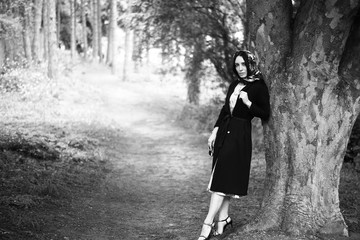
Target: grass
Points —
{"points": [[48, 149]]}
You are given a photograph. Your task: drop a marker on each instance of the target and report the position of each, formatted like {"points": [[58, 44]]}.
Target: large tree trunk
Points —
{"points": [[37, 27], [314, 104]]}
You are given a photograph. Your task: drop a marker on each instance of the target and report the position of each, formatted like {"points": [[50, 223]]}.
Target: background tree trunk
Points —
{"points": [[27, 32], [95, 38], [193, 75], [72, 28], [46, 30], [2, 52], [84, 27], [137, 51], [38, 5], [109, 59], [58, 22], [112, 49], [51, 38], [99, 33], [313, 110], [127, 39]]}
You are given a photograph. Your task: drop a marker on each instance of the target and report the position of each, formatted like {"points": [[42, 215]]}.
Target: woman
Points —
{"points": [[230, 141]]}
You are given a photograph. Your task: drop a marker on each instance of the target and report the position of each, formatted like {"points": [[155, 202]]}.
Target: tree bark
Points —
{"points": [[137, 51], [99, 36], [46, 30], [95, 34], [37, 27], [27, 32], [109, 59], [51, 8], [314, 107], [58, 22], [193, 75], [84, 28], [112, 40], [127, 50], [72, 29]]}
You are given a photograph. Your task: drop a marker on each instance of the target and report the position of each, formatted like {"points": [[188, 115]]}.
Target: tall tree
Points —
{"points": [[311, 61], [127, 39], [38, 4], [84, 27], [46, 30], [112, 46], [99, 32], [109, 49], [52, 43], [72, 28], [58, 21], [26, 19], [95, 28]]}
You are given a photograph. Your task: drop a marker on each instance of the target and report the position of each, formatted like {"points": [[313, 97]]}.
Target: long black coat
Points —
{"points": [[233, 144]]}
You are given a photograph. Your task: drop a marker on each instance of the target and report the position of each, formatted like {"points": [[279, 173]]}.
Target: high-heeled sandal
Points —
{"points": [[228, 222], [211, 230]]}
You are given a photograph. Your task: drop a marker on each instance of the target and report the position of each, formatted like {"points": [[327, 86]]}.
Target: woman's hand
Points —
{"points": [[212, 138], [245, 98]]}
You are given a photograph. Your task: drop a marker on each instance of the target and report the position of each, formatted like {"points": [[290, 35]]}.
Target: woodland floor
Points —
{"points": [[155, 184]]}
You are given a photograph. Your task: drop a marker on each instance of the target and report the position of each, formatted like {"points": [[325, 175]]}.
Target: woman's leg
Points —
{"points": [[223, 214], [215, 203], [224, 209]]}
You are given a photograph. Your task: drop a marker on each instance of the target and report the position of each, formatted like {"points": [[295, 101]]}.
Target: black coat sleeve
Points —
{"points": [[260, 106]]}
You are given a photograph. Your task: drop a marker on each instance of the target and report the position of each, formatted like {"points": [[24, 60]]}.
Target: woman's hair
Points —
{"points": [[250, 62]]}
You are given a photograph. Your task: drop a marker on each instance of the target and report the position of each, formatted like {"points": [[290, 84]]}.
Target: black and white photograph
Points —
{"points": [[179, 119]]}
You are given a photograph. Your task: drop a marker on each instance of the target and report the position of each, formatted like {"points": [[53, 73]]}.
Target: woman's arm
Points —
{"points": [[260, 106]]}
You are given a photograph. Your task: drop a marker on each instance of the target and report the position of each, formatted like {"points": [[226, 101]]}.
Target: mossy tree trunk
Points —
{"points": [[312, 66]]}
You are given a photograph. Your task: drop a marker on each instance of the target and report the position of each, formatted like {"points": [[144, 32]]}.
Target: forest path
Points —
{"points": [[157, 187]]}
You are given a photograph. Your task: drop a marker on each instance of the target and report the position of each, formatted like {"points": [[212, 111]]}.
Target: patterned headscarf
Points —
{"points": [[253, 73]]}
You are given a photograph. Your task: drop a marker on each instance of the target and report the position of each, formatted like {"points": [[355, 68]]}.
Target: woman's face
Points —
{"points": [[240, 66]]}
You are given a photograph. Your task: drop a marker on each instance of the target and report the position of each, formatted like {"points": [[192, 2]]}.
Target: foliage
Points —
{"points": [[45, 157], [200, 30]]}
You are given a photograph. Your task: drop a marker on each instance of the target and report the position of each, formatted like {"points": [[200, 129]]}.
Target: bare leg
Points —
{"points": [[223, 214], [215, 204]]}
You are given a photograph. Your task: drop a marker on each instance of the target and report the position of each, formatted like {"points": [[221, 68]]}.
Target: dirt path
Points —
{"points": [[157, 187], [160, 170]]}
